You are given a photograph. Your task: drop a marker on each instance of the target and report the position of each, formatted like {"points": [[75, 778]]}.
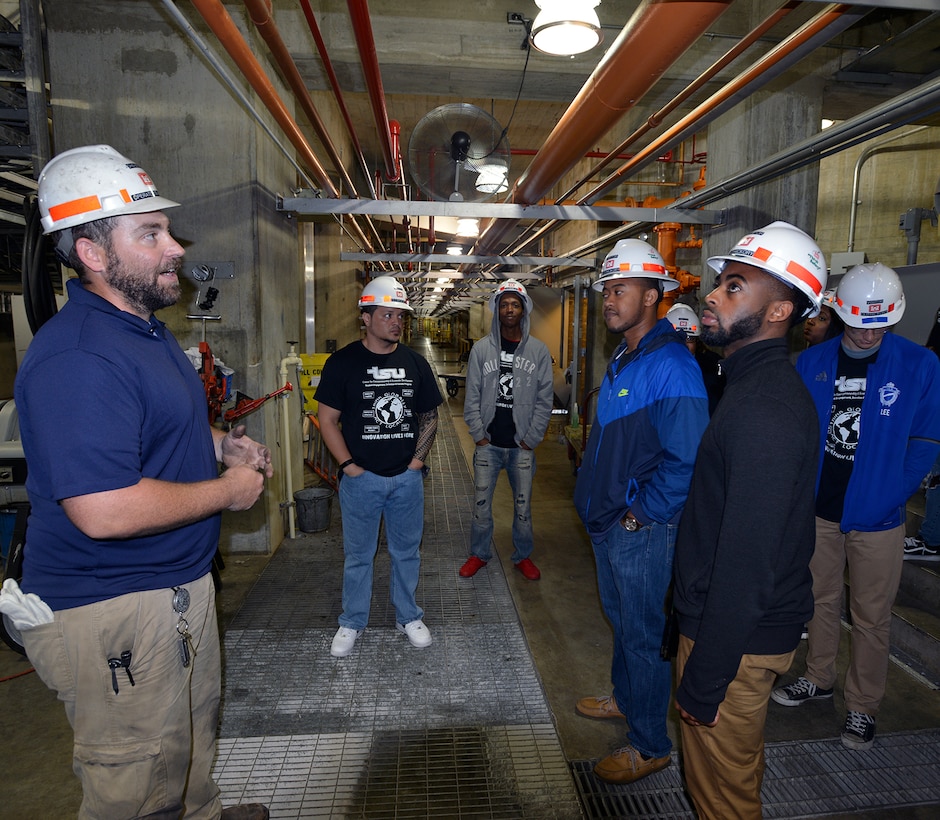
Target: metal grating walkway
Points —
{"points": [[803, 778], [458, 730]]}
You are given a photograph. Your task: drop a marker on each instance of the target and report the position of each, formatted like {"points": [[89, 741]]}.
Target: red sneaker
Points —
{"points": [[528, 569], [472, 566]]}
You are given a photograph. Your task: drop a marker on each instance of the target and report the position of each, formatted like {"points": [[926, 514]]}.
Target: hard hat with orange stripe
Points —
{"points": [[94, 182], [869, 296], [635, 259], [786, 252]]}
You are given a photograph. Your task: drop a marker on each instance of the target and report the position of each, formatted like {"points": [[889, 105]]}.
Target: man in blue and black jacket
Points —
{"points": [[651, 411]]}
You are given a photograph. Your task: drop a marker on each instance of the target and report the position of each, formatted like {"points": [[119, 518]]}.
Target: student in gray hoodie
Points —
{"points": [[508, 406]]}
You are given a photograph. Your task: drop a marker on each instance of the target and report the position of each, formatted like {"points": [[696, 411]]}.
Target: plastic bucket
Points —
{"points": [[313, 508]]}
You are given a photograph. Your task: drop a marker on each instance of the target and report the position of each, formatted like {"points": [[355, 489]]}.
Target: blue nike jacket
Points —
{"points": [[652, 409]]}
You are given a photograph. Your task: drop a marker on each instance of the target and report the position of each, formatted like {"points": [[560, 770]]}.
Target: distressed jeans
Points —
{"points": [[633, 574], [519, 465], [364, 500]]}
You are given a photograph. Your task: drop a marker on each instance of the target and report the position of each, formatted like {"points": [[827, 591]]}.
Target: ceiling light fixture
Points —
{"points": [[455, 250], [468, 227], [493, 178], [566, 27]]}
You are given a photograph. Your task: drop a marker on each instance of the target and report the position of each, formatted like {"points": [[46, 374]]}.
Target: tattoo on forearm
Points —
{"points": [[427, 430]]}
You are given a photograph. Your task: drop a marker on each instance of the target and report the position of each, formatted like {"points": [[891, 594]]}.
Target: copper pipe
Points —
{"points": [[822, 27], [224, 28], [655, 37], [362, 28], [651, 41], [337, 92], [260, 13], [656, 119]]}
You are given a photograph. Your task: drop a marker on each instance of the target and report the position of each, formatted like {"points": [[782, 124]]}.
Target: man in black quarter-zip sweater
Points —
{"points": [[743, 589]]}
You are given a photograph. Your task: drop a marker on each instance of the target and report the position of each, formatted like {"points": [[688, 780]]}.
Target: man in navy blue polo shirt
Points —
{"points": [[125, 501]]}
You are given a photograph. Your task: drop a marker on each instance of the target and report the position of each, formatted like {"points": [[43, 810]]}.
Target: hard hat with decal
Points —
{"points": [[684, 319], [94, 182], [785, 252], [384, 291], [634, 259], [514, 287], [869, 296]]}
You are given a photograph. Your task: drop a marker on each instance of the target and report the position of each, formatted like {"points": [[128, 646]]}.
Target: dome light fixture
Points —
{"points": [[566, 27], [454, 250]]}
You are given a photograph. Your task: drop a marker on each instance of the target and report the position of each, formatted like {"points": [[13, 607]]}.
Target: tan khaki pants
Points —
{"points": [[724, 764], [146, 751], [875, 560]]}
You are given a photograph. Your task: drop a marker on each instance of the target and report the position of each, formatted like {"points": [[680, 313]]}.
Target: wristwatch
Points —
{"points": [[629, 523]]}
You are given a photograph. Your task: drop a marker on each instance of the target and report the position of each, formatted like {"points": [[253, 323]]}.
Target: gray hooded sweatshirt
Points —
{"points": [[532, 385]]}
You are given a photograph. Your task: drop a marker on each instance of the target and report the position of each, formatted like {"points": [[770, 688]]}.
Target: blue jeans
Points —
{"points": [[633, 574], [519, 465], [364, 499], [930, 528]]}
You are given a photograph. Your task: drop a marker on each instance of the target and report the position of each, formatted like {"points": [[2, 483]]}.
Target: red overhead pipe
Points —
{"points": [[337, 91], [260, 13], [657, 34], [362, 28]]}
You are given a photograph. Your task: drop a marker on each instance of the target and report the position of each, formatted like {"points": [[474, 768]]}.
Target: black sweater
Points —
{"points": [[742, 579]]}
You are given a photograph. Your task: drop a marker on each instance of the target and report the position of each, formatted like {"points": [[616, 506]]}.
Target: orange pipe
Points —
{"points": [[825, 18], [218, 19], [362, 28], [224, 28], [656, 119], [657, 34], [260, 14]]}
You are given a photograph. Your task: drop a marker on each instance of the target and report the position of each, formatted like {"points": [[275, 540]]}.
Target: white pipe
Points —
{"points": [[290, 359]]}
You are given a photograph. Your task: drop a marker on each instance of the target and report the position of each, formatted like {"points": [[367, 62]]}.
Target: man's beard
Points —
{"points": [[717, 336], [144, 293]]}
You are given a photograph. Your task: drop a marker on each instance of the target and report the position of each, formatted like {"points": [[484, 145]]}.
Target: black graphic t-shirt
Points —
{"points": [[841, 438], [380, 397], [502, 429]]}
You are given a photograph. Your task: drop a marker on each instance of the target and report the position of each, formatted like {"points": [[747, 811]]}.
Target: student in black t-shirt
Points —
{"points": [[378, 416]]}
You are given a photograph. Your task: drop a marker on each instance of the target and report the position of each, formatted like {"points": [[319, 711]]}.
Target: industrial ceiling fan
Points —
{"points": [[459, 153]]}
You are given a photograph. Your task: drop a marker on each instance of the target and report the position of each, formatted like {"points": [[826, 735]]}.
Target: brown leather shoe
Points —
{"points": [[246, 811], [627, 765], [605, 707]]}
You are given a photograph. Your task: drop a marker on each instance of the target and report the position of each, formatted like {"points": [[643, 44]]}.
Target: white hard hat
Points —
{"points": [[786, 252], [94, 182], [684, 319], [516, 288], [634, 259], [384, 291], [869, 295]]}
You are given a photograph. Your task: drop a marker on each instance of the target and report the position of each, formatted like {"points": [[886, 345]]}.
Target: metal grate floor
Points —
{"points": [[458, 730], [805, 778]]}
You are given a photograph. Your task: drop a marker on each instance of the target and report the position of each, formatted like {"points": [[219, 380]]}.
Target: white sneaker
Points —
{"points": [[417, 632], [343, 641]]}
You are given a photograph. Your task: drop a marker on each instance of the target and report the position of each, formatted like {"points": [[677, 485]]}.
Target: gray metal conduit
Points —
{"points": [[877, 148], [895, 113]]}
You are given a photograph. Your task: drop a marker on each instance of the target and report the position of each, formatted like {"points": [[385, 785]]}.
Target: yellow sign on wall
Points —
{"points": [[310, 372]]}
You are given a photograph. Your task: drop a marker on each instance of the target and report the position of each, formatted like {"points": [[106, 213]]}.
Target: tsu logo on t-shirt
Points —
{"points": [[845, 418]]}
